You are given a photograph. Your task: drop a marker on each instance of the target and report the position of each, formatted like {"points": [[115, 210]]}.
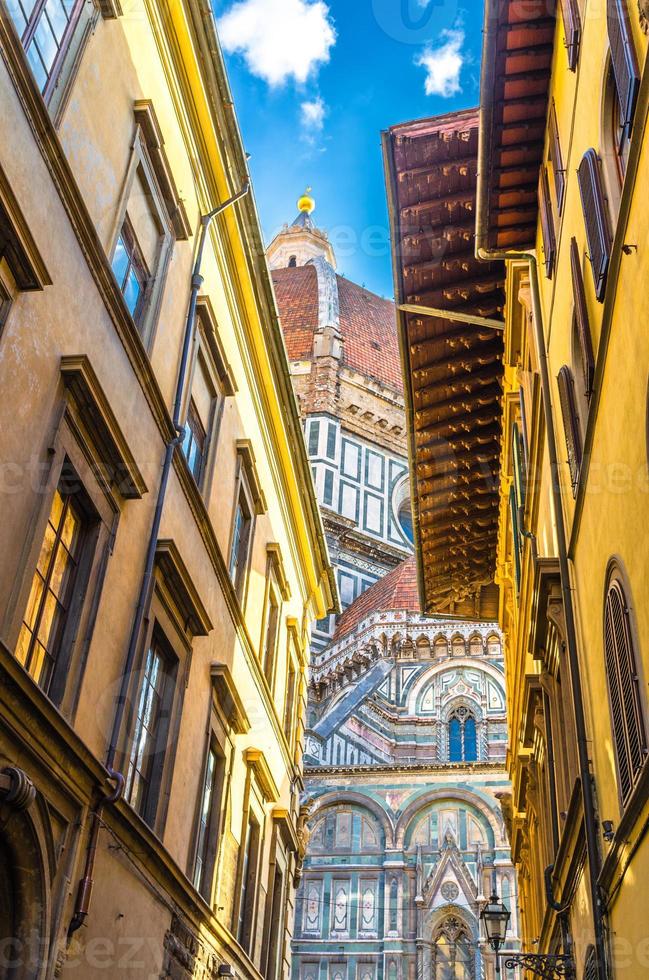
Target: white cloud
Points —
{"points": [[312, 115], [443, 64], [279, 39]]}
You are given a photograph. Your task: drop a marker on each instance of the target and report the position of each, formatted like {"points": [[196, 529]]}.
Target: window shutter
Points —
{"points": [[581, 317], [624, 691], [590, 965], [547, 222], [598, 230], [516, 536], [518, 468], [570, 424], [572, 29], [624, 60], [556, 158]]}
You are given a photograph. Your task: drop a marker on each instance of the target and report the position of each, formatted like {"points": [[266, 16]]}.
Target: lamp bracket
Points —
{"points": [[545, 965]]}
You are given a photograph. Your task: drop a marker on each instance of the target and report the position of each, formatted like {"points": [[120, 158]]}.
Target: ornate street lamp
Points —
{"points": [[495, 917]]}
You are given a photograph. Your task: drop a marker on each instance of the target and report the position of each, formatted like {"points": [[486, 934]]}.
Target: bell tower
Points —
{"points": [[298, 243]]}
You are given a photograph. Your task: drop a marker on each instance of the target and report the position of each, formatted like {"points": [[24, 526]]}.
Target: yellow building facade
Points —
{"points": [[163, 557], [561, 198]]}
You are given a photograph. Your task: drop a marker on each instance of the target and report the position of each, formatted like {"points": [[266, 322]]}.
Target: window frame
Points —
{"points": [[248, 871], [247, 488], [140, 163], [81, 24], [291, 689], [166, 617], [71, 447], [616, 580], [208, 850], [156, 640], [239, 573], [59, 656]]}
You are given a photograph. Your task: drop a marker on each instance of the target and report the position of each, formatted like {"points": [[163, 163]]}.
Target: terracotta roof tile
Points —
{"points": [[396, 590], [297, 300], [367, 324], [369, 328]]}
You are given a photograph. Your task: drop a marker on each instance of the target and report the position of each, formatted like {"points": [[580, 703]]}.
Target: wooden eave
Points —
{"points": [[524, 46], [453, 370]]}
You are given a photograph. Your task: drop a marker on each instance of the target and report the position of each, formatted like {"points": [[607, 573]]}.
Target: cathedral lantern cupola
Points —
{"points": [[300, 242]]}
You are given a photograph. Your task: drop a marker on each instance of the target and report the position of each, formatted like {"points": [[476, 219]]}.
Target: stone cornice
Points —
{"points": [[443, 769]]}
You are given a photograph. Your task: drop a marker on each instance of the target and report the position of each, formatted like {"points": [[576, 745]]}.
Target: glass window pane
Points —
{"points": [[47, 547], [37, 66], [120, 262], [46, 43], [70, 532], [38, 666], [61, 573], [455, 740], [470, 741], [18, 17], [57, 17], [132, 290], [34, 601]]}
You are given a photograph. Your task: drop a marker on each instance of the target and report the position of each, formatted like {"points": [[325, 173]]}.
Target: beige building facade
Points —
{"points": [[163, 556]]}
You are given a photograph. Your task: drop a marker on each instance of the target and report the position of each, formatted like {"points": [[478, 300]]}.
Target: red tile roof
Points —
{"points": [[396, 590], [369, 328], [296, 290], [367, 324]]}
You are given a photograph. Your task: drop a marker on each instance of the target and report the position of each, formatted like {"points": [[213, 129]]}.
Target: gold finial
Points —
{"points": [[306, 203]]}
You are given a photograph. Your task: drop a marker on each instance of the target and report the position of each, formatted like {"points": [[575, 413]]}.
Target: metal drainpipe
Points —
{"points": [[82, 904]]}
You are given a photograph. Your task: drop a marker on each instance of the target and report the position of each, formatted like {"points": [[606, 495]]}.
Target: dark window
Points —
{"points": [[208, 822], [194, 442], [130, 270], [150, 731], [331, 441], [556, 159], [516, 537], [240, 540], [404, 517], [5, 305], [518, 467], [547, 222], [624, 62], [462, 736], [590, 964], [314, 438], [45, 28], [248, 882], [292, 262], [328, 494], [582, 323], [598, 232], [289, 706], [571, 425], [44, 624], [572, 28], [277, 926], [624, 690], [270, 638]]}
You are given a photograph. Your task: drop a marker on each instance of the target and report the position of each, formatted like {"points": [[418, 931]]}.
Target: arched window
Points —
{"points": [[452, 955], [462, 736], [292, 262], [624, 690]]}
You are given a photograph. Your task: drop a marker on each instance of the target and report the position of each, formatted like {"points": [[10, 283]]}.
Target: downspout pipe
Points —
{"points": [[82, 904], [147, 578], [484, 252]]}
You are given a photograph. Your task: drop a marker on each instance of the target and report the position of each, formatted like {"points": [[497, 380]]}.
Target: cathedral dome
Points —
{"points": [[396, 590]]}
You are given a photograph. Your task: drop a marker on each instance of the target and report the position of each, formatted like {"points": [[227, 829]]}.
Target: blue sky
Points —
{"points": [[315, 82]]}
